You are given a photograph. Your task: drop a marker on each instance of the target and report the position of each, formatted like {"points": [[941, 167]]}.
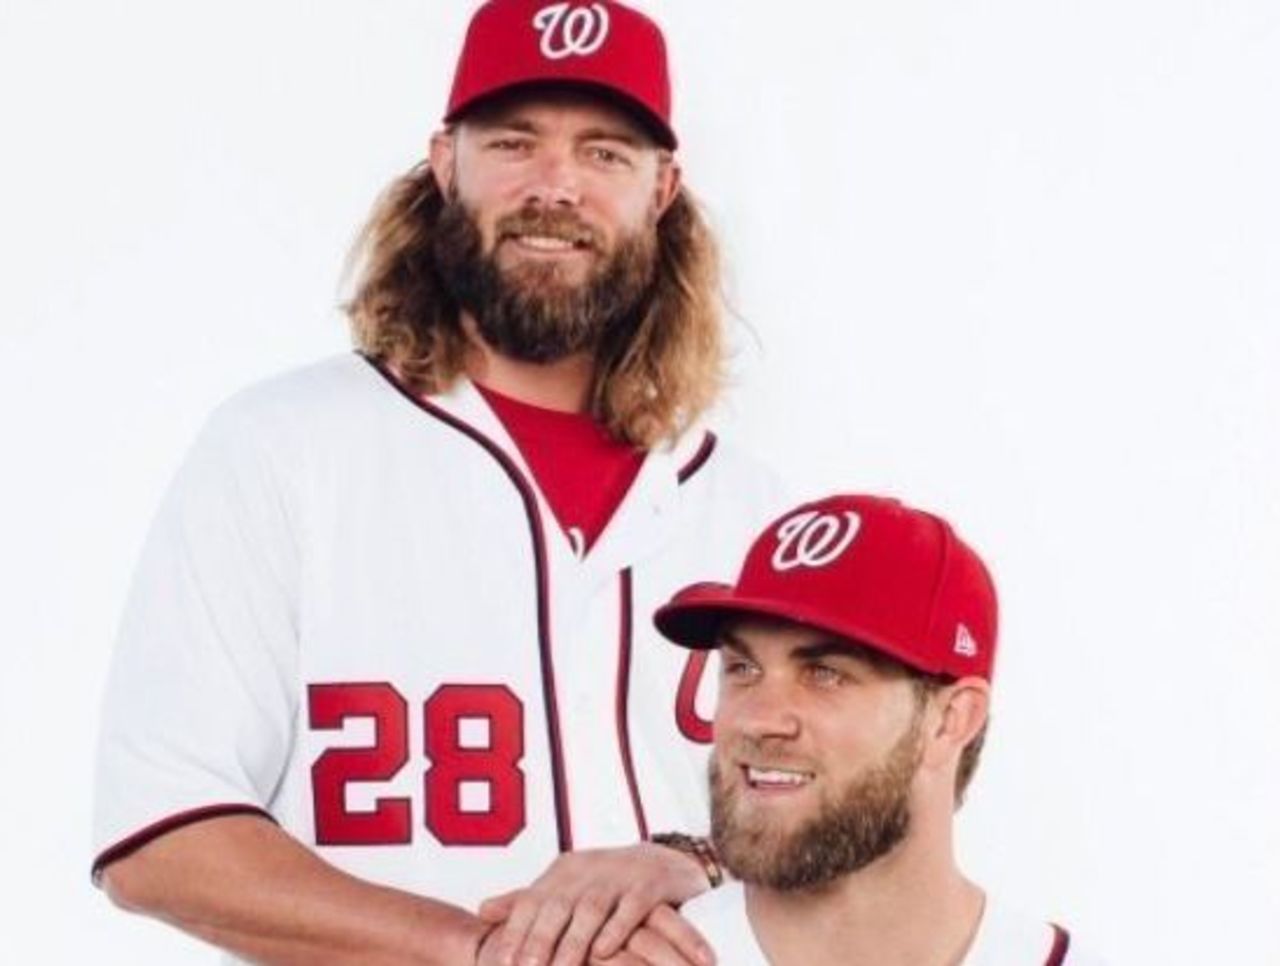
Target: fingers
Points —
{"points": [[498, 908], [654, 949], [623, 958], [685, 941], [590, 912], [487, 955], [626, 919], [588, 904], [545, 933], [550, 923], [511, 935]]}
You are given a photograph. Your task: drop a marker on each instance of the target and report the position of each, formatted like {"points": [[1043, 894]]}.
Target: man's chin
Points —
{"points": [[757, 854], [544, 279], [767, 826]]}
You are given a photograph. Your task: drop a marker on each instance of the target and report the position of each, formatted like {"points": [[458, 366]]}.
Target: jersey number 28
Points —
{"points": [[473, 790]]}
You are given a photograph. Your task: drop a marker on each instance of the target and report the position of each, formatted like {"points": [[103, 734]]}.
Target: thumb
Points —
{"points": [[496, 909]]}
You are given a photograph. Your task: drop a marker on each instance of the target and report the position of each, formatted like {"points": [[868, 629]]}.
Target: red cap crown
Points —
{"points": [[598, 44], [864, 568]]}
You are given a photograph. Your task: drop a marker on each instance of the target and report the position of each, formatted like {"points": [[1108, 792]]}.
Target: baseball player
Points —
{"points": [[384, 656], [856, 652]]}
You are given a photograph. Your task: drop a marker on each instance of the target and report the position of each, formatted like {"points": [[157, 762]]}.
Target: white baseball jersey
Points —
{"points": [[1004, 938], [356, 614]]}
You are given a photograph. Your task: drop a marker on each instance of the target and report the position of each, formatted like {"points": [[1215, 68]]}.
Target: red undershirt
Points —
{"points": [[581, 470]]}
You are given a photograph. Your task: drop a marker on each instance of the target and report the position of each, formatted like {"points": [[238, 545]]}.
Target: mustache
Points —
{"points": [[766, 753], [564, 225]]}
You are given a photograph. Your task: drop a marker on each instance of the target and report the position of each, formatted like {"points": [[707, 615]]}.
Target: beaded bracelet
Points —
{"points": [[696, 846]]}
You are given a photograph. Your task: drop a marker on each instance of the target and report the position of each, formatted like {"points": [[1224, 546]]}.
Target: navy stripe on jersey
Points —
{"points": [[156, 829], [564, 830], [1061, 942], [699, 459], [696, 462], [622, 702]]}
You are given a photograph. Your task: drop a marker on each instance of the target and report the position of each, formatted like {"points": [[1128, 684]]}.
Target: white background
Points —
{"points": [[1015, 261]]}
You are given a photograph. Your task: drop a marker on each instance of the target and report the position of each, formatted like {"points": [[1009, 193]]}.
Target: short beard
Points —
{"points": [[528, 312], [869, 817]]}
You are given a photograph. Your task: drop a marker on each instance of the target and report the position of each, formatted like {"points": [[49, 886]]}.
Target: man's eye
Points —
{"points": [[737, 668], [608, 156], [508, 144], [824, 675]]}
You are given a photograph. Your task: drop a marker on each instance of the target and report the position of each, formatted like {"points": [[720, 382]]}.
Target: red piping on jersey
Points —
{"points": [[699, 459], [153, 831], [1061, 942], [623, 693], [564, 831], [691, 724]]}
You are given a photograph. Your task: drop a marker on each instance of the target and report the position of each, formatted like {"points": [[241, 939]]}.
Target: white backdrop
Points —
{"points": [[1018, 262]]}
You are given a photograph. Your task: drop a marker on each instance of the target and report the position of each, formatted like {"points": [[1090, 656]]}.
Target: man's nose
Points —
{"points": [[555, 179], [766, 711]]}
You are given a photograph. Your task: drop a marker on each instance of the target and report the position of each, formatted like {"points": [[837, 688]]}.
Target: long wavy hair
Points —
{"points": [[651, 380]]}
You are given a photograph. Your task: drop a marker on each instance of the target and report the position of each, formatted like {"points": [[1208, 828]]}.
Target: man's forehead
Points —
{"points": [[776, 635], [545, 105], [759, 637]]}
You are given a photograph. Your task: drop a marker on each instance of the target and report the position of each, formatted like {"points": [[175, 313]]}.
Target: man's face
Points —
{"points": [[549, 235], [816, 750]]}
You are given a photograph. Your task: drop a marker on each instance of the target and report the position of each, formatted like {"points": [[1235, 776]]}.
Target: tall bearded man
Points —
{"points": [[379, 664], [856, 649]]}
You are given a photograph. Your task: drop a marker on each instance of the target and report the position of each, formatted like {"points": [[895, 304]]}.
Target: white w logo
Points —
{"points": [[566, 32], [813, 539]]}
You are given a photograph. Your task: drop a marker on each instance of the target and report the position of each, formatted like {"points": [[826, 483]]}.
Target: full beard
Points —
{"points": [[529, 311], [864, 822]]}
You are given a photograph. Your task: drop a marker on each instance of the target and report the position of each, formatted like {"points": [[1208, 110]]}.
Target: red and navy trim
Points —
{"points": [[699, 459], [623, 694], [1061, 943], [153, 831], [691, 724], [564, 830], [626, 620]]}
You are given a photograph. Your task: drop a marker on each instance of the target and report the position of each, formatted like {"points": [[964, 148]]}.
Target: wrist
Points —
{"points": [[697, 848], [460, 939]]}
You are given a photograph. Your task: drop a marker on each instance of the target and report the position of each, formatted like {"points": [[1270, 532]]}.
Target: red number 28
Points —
{"points": [[474, 789]]}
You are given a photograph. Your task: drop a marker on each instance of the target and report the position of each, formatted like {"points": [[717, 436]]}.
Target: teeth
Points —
{"points": [[777, 776], [546, 243]]}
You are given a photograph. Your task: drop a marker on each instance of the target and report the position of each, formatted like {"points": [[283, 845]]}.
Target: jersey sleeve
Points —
{"points": [[199, 704]]}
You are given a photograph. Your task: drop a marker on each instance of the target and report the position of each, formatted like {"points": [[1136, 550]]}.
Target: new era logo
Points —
{"points": [[965, 645]]}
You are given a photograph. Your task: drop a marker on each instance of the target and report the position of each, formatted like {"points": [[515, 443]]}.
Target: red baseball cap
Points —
{"points": [[864, 568], [599, 45]]}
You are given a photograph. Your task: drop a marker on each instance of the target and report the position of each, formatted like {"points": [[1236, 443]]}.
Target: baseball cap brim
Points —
{"points": [[694, 617]]}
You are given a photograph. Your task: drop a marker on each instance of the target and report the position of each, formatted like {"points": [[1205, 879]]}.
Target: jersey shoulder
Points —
{"points": [[335, 413], [338, 387], [703, 448], [1007, 936], [732, 476]]}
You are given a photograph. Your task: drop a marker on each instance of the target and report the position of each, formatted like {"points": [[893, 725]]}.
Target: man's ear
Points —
{"points": [[441, 155], [669, 180], [962, 709]]}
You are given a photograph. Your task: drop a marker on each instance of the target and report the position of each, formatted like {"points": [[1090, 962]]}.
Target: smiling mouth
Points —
{"points": [[551, 244], [775, 779]]}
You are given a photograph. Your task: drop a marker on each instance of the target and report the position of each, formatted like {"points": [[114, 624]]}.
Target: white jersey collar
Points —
{"points": [[642, 522]]}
